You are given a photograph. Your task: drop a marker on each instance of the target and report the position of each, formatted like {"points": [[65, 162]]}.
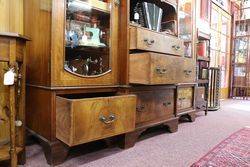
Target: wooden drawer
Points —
{"points": [[144, 39], [185, 98], [83, 120], [153, 106], [152, 69]]}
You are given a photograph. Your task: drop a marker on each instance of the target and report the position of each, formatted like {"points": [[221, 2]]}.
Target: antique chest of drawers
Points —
{"points": [[80, 121], [153, 68]]}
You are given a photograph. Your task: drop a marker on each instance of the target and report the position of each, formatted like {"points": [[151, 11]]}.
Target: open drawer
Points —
{"points": [[153, 68], [144, 39], [80, 121]]}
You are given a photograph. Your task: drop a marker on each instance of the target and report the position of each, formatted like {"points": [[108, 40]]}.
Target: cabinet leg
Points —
{"points": [[129, 139], [191, 116], [172, 125], [55, 152]]}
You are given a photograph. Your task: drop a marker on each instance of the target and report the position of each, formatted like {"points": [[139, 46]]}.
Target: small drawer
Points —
{"points": [[185, 98], [80, 121], [144, 39], [153, 68], [153, 106]]}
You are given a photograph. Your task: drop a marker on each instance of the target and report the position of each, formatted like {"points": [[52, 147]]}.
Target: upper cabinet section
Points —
{"points": [[87, 37], [155, 15]]}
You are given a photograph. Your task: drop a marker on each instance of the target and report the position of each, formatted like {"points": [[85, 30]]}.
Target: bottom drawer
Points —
{"points": [[80, 121], [153, 106]]}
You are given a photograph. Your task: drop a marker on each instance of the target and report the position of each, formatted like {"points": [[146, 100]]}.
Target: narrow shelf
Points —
{"points": [[5, 152], [203, 36], [96, 4], [202, 81], [201, 58]]}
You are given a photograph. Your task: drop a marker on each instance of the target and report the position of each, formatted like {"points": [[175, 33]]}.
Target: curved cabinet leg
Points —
{"points": [[55, 152], [191, 116], [129, 139], [172, 125]]}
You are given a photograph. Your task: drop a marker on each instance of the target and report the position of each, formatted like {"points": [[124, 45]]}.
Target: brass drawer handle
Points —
{"points": [[188, 72], [176, 47], [160, 70], [166, 104], [108, 120], [140, 108], [183, 98], [149, 42]]}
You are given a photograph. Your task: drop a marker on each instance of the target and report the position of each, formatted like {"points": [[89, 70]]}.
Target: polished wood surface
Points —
{"points": [[154, 106], [144, 39], [153, 68], [11, 16], [78, 120], [12, 101]]}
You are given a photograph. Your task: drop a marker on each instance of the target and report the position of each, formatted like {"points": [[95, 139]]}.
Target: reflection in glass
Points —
{"points": [[87, 37], [185, 26]]}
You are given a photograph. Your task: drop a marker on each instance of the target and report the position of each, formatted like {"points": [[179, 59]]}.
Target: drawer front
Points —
{"points": [[186, 70], [84, 120], [154, 106], [185, 98], [144, 39], [153, 69]]}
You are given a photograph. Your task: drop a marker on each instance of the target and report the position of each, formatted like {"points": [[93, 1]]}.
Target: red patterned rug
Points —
{"points": [[232, 152]]}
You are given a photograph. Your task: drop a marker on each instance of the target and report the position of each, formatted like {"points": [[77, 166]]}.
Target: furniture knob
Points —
{"points": [[160, 70], [140, 108], [108, 120], [18, 123], [167, 104], [149, 42], [176, 47]]}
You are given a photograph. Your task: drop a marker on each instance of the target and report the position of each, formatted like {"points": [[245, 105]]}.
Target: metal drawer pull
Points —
{"points": [[176, 47], [183, 98], [167, 104], [149, 42], [161, 70], [188, 72], [140, 108], [108, 120]]}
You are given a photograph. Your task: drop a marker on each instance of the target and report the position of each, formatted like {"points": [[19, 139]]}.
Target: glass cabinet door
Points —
{"points": [[87, 37], [186, 25]]}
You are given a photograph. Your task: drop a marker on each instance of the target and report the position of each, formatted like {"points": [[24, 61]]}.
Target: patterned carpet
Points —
{"points": [[232, 152], [181, 149]]}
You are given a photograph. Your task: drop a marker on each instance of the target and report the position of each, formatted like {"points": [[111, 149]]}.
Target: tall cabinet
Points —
{"points": [[101, 68]]}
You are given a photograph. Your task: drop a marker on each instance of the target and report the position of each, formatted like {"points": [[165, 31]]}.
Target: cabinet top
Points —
{"points": [[14, 35]]}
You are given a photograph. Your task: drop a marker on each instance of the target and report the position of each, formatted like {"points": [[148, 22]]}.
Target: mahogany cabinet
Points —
{"points": [[96, 70]]}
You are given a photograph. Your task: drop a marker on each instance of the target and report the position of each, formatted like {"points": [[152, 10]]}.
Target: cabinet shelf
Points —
{"points": [[5, 152], [201, 58], [96, 4], [202, 81]]}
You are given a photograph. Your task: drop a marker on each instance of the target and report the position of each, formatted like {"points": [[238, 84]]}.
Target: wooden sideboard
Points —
{"points": [[12, 98], [94, 75]]}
